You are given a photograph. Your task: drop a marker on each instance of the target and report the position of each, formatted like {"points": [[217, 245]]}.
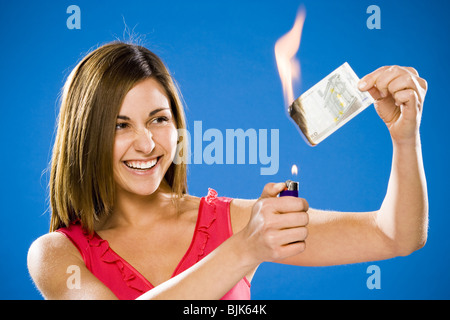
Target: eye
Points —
{"points": [[121, 125], [160, 120]]}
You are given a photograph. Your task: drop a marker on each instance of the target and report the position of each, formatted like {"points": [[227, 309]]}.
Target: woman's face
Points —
{"points": [[145, 140]]}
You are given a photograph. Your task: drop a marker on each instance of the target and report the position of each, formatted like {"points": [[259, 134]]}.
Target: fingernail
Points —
{"points": [[362, 85], [281, 185]]}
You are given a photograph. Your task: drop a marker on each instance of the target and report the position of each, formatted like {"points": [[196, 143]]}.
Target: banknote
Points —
{"points": [[329, 104]]}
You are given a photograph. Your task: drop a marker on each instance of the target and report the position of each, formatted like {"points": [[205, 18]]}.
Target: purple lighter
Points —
{"points": [[290, 190]]}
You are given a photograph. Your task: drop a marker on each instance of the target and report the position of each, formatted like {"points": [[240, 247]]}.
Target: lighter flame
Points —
{"points": [[294, 170], [285, 50]]}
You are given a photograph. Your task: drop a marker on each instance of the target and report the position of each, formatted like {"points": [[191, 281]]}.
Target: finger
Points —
{"points": [[408, 101], [391, 74], [404, 82], [375, 93], [412, 70], [386, 77], [291, 249], [367, 82], [288, 204], [422, 82], [387, 110], [288, 236], [272, 190], [370, 81], [291, 220], [407, 96]]}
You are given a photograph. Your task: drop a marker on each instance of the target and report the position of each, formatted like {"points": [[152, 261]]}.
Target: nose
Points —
{"points": [[144, 141]]}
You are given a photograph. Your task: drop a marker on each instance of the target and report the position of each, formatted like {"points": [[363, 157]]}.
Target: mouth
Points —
{"points": [[141, 165]]}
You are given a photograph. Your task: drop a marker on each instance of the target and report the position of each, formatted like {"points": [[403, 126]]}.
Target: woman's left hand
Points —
{"points": [[399, 94]]}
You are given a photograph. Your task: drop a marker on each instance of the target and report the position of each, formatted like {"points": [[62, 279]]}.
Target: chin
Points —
{"points": [[137, 190], [145, 191]]}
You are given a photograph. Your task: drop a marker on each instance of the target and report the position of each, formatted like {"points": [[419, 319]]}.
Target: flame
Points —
{"points": [[285, 50], [294, 170]]}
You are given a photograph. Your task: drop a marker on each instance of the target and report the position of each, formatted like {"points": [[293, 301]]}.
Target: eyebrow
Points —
{"points": [[149, 115]]}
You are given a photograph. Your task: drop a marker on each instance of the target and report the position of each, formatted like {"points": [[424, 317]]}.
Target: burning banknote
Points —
{"points": [[329, 104]]}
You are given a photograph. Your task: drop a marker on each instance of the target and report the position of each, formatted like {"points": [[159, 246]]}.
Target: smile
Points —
{"points": [[141, 165]]}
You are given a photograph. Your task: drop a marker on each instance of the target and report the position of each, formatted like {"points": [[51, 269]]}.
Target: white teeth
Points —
{"points": [[142, 165]]}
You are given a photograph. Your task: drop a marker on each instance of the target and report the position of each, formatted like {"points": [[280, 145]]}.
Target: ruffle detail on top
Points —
{"points": [[107, 255], [206, 221], [211, 196]]}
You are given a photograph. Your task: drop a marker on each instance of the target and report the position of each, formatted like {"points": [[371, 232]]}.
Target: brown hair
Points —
{"points": [[81, 175]]}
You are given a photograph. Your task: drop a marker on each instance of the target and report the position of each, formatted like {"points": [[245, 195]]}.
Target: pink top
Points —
{"points": [[213, 227]]}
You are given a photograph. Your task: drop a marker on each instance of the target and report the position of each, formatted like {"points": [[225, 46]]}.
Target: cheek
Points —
{"points": [[119, 149], [172, 140]]}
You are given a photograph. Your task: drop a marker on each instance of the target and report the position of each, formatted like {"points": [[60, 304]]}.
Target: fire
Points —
{"points": [[294, 170], [285, 50]]}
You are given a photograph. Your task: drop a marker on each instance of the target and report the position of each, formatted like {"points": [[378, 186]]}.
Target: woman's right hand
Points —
{"points": [[277, 226]]}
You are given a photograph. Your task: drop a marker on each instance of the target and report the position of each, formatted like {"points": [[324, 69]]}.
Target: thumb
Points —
{"points": [[272, 189]]}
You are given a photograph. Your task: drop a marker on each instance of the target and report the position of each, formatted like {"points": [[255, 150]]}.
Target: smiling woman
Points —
{"points": [[146, 139], [122, 218], [81, 184], [116, 181]]}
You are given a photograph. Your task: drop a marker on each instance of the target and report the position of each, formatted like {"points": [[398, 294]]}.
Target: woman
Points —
{"points": [[122, 219]]}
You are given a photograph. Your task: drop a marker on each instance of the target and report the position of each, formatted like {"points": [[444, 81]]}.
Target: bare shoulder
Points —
{"points": [[190, 201], [189, 204], [49, 247], [52, 258], [240, 211], [47, 260]]}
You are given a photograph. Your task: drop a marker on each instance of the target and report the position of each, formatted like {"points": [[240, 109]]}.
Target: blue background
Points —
{"points": [[221, 54]]}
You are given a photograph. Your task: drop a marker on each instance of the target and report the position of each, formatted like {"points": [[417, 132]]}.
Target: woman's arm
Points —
{"points": [[273, 229], [210, 278], [400, 94], [51, 260], [399, 227], [50, 256]]}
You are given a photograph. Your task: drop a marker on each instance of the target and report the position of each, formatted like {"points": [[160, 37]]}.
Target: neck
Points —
{"points": [[132, 210]]}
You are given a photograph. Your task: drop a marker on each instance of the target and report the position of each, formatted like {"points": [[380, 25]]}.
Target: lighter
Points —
{"points": [[290, 190]]}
